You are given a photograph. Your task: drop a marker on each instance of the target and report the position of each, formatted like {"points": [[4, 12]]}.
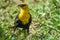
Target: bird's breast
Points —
{"points": [[24, 18]]}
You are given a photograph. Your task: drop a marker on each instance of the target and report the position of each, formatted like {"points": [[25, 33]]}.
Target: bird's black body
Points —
{"points": [[18, 23]]}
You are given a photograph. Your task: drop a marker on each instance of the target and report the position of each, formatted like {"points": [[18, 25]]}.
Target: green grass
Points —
{"points": [[45, 18]]}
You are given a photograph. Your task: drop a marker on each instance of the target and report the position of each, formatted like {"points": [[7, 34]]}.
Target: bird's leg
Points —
{"points": [[27, 31], [14, 29], [24, 30], [15, 26]]}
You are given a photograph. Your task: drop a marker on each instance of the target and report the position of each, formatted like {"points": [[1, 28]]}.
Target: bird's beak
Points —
{"points": [[20, 5]]}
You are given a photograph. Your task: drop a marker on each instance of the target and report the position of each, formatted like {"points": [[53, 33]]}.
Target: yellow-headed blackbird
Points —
{"points": [[23, 19]]}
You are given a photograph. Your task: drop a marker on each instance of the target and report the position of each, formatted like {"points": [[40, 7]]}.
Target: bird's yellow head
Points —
{"points": [[23, 6]]}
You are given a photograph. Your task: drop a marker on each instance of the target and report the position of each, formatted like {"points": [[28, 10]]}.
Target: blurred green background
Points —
{"points": [[45, 19]]}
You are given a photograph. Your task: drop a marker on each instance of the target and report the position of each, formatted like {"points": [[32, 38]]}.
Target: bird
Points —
{"points": [[23, 19]]}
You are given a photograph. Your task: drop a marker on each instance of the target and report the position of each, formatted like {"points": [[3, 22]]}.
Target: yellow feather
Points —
{"points": [[24, 16]]}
